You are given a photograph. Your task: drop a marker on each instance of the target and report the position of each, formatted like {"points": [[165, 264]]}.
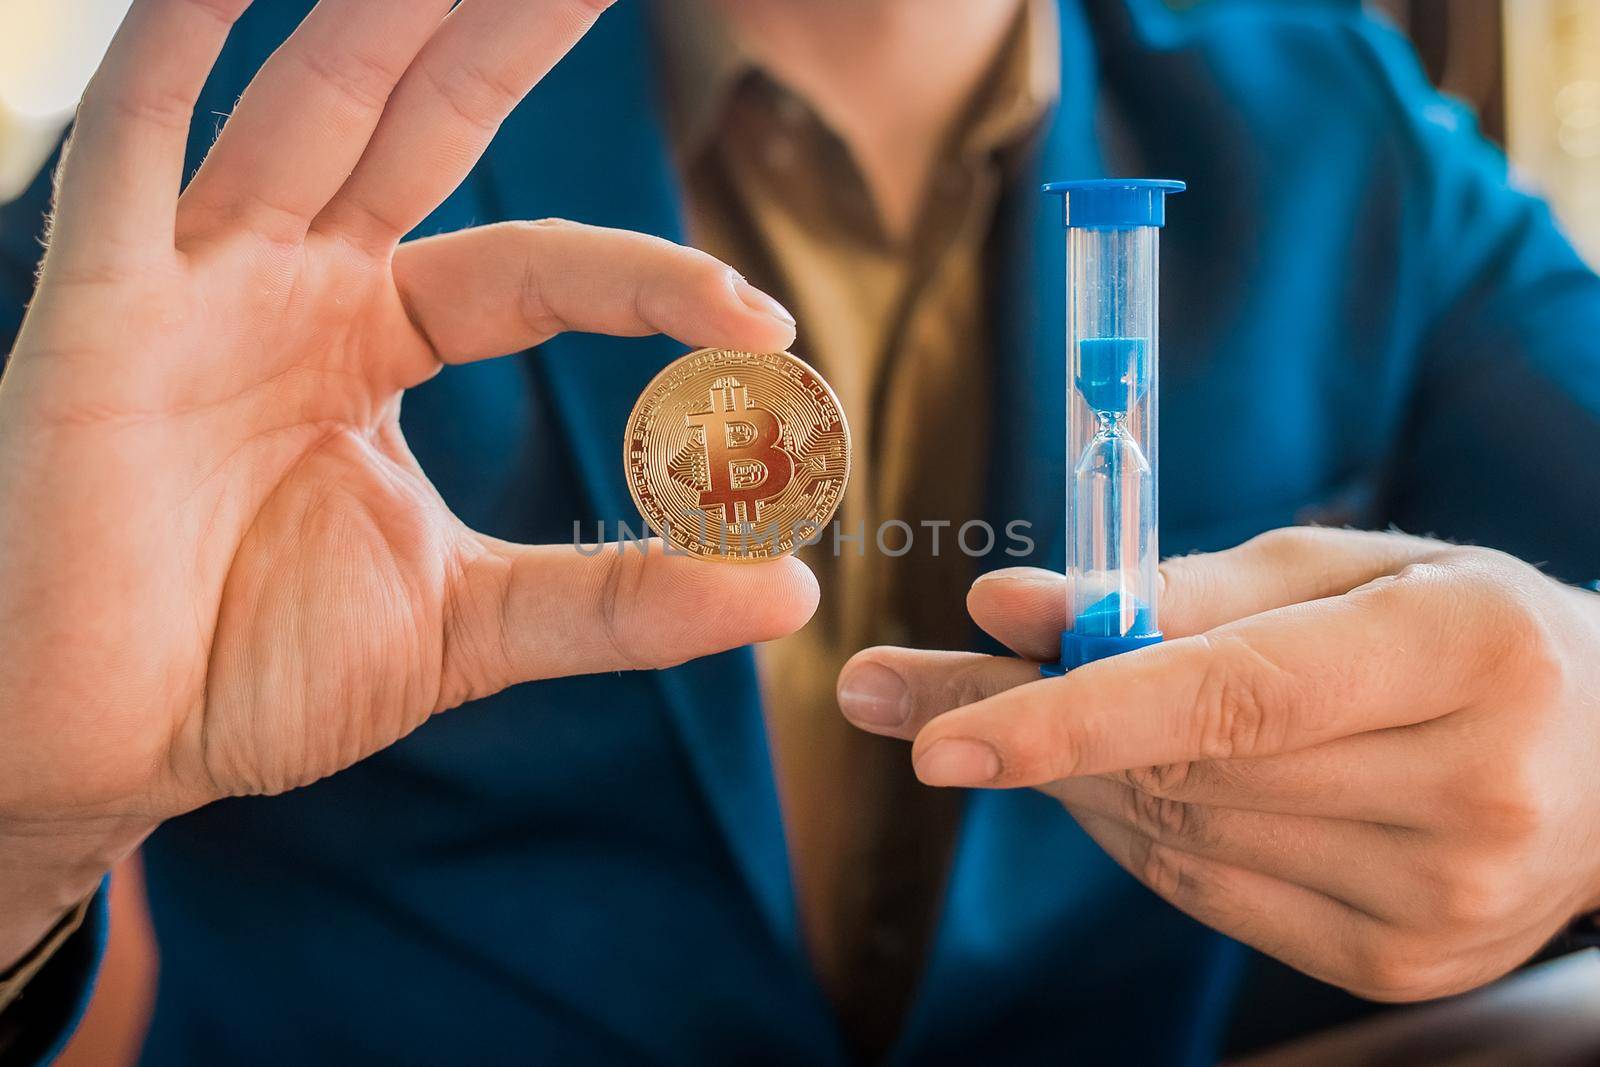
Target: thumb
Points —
{"points": [[1026, 609], [519, 613]]}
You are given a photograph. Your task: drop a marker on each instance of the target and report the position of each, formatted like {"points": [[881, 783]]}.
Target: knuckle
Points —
{"points": [[553, 247], [1164, 819], [1071, 744], [1502, 584], [1162, 780], [616, 623], [478, 608], [1478, 591], [1392, 970], [572, 19], [225, 12], [149, 107], [1513, 811], [1386, 592], [534, 305], [1288, 543], [539, 228], [1166, 870], [354, 76], [627, 596], [474, 93], [1529, 650], [970, 684], [1231, 720], [1184, 580], [1479, 896]]}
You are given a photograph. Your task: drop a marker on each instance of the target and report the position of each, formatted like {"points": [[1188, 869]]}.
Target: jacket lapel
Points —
{"points": [[589, 145], [1028, 458], [992, 904]]}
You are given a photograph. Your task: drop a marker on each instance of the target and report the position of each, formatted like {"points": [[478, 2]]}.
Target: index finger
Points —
{"points": [[480, 293], [1388, 654]]}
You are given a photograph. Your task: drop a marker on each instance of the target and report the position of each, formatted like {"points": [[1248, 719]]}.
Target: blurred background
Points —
{"points": [[1531, 69]]}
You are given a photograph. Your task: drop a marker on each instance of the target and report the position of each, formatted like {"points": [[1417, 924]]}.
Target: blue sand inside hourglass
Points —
{"points": [[1112, 616], [1113, 372]]}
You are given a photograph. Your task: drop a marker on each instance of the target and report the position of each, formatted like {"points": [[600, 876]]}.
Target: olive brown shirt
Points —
{"points": [[900, 329]]}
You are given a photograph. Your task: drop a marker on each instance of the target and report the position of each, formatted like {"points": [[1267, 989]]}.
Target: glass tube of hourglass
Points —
{"points": [[1112, 550]]}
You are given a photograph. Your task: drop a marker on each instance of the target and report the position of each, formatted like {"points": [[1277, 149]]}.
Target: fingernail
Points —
{"points": [[756, 300], [873, 695], [958, 762], [1020, 574]]}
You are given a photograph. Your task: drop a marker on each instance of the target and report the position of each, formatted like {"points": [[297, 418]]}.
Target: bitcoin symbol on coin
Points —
{"points": [[737, 455], [747, 463]]}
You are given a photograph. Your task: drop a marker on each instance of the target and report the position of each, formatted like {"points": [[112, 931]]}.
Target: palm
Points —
{"points": [[338, 580], [222, 571], [287, 557]]}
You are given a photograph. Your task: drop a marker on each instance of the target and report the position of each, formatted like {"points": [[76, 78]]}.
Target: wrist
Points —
{"points": [[46, 873], [24, 929], [1587, 598]]}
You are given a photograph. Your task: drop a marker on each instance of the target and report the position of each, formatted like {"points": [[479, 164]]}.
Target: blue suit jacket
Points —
{"points": [[1361, 320]]}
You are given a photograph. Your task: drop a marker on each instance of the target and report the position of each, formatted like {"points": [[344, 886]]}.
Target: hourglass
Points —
{"points": [[1113, 244]]}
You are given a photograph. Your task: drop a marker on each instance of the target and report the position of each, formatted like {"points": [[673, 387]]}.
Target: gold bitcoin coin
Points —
{"points": [[739, 456]]}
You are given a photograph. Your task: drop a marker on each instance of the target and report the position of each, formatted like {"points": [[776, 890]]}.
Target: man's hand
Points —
{"points": [[221, 570], [1372, 756]]}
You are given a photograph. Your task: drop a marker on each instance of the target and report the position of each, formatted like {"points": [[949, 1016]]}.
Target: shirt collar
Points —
{"points": [[1011, 106]]}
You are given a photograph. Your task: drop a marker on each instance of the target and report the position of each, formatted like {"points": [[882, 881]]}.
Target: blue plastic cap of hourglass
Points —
{"points": [[1091, 639], [1080, 650], [1114, 203], [1113, 372]]}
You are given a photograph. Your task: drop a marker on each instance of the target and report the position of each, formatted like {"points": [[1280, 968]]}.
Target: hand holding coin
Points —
{"points": [[223, 571]]}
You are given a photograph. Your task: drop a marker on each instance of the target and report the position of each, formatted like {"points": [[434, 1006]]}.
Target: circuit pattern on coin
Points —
{"points": [[739, 456]]}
